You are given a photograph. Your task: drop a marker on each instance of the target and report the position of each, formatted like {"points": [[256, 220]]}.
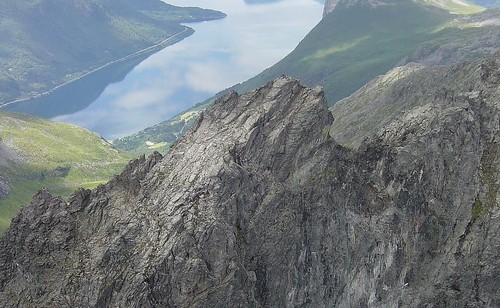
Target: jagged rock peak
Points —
{"points": [[258, 207], [151, 235]]}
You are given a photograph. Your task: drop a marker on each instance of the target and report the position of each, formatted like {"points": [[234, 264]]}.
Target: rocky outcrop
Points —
{"points": [[387, 97], [4, 188], [330, 5], [257, 206], [8, 155]]}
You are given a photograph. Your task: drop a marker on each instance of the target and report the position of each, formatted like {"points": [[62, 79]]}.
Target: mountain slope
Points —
{"points": [[374, 106], [159, 137], [456, 6], [48, 42], [36, 153], [257, 206], [343, 54]]}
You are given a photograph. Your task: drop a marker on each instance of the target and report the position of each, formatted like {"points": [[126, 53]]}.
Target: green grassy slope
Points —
{"points": [[38, 153], [159, 137], [353, 44], [48, 42]]}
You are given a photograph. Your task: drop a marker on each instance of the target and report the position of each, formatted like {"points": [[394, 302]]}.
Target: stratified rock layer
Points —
{"points": [[258, 207]]}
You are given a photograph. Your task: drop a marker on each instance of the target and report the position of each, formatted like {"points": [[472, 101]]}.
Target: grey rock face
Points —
{"points": [[8, 154], [257, 206], [330, 5], [390, 96], [4, 188]]}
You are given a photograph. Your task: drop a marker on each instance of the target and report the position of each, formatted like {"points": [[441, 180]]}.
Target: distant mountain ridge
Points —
{"points": [[257, 206], [342, 54], [48, 42], [459, 6]]}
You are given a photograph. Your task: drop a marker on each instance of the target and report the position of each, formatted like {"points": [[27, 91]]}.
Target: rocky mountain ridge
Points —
{"points": [[374, 106], [344, 61], [257, 206], [450, 5]]}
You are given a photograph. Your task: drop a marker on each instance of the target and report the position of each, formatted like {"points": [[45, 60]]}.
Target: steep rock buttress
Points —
{"points": [[258, 207]]}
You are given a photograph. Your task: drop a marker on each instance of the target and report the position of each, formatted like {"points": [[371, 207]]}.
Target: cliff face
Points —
{"points": [[330, 5], [257, 206]]}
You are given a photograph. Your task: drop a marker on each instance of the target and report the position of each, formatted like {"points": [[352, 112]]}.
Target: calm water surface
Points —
{"points": [[220, 54]]}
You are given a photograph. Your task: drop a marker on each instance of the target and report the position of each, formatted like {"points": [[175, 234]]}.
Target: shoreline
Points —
{"points": [[151, 49]]}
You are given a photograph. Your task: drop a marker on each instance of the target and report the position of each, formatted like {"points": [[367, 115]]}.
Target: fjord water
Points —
{"points": [[219, 54]]}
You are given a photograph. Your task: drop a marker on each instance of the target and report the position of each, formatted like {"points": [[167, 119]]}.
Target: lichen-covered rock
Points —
{"points": [[257, 206]]}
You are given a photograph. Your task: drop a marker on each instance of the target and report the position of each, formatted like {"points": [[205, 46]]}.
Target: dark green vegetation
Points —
{"points": [[36, 153], [48, 42], [354, 44]]}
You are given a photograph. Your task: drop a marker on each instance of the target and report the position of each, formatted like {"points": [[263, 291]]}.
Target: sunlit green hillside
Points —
{"points": [[353, 44], [159, 137], [37, 153], [455, 6]]}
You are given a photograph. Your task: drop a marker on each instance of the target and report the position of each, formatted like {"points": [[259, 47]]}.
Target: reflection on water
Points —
{"points": [[219, 54], [77, 95]]}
